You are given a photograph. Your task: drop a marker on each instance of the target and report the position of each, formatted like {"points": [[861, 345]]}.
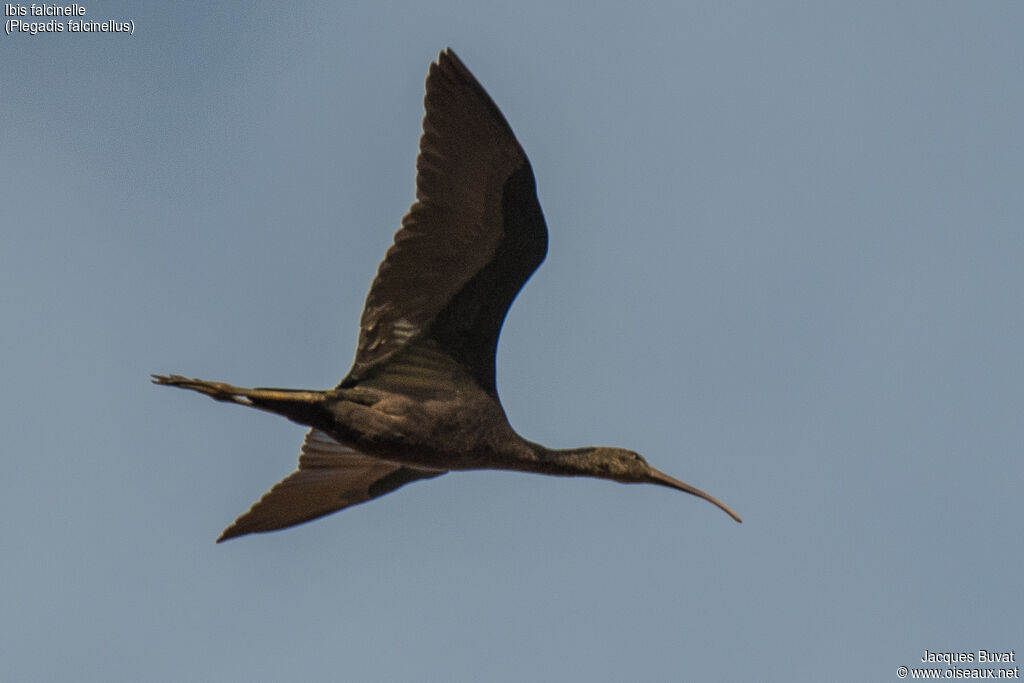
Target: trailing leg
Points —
{"points": [[298, 405]]}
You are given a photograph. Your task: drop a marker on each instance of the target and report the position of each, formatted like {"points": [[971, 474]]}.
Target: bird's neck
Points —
{"points": [[567, 462]]}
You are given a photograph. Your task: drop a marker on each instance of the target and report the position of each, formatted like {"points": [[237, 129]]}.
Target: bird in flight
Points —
{"points": [[420, 399]]}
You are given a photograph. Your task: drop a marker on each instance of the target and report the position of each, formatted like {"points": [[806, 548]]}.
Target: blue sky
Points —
{"points": [[785, 265]]}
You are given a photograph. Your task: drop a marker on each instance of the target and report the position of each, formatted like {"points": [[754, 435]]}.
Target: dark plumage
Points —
{"points": [[420, 398]]}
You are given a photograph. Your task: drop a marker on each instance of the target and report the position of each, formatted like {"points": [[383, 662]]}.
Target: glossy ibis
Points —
{"points": [[420, 399]]}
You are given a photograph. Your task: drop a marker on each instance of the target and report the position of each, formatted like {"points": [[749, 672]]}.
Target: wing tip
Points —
{"points": [[233, 531], [449, 64]]}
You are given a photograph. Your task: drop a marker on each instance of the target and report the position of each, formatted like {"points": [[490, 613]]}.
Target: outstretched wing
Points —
{"points": [[467, 245], [330, 477]]}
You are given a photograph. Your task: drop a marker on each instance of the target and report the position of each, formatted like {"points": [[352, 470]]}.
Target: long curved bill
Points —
{"points": [[658, 477]]}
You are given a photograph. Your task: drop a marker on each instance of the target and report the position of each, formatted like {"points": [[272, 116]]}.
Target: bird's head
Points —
{"points": [[618, 464], [629, 467]]}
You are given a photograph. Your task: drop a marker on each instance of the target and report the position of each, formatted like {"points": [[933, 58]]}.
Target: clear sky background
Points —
{"points": [[786, 265]]}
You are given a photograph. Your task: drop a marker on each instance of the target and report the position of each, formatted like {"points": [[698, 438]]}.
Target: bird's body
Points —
{"points": [[421, 399]]}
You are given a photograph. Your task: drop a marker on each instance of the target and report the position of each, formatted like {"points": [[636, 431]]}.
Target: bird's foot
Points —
{"points": [[219, 391]]}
